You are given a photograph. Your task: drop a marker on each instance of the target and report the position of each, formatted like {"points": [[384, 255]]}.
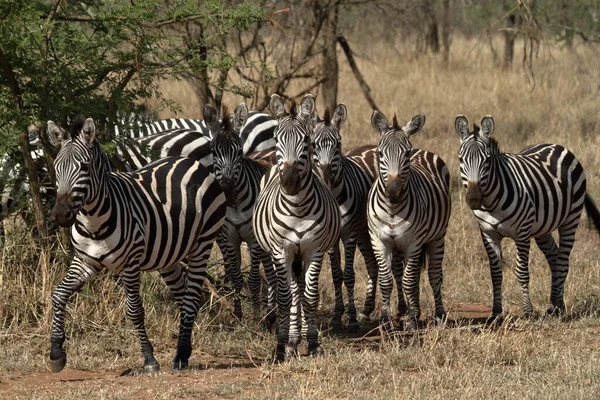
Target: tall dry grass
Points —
{"points": [[547, 358]]}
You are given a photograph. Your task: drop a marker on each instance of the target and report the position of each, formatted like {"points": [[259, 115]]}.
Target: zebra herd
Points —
{"points": [[292, 202]]}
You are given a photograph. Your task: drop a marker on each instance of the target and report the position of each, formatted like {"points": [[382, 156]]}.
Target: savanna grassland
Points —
{"points": [[527, 359]]}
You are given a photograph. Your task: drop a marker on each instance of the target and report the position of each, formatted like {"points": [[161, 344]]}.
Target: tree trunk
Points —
{"points": [[432, 35], [32, 173], [446, 22], [330, 63], [509, 42]]}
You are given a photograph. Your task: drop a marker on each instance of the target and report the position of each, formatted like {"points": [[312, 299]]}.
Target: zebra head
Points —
{"points": [[76, 169], [226, 147], [394, 150], [327, 145], [474, 155], [292, 137]]}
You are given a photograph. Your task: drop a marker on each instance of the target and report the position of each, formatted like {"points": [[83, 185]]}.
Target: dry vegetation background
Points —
{"points": [[543, 358]]}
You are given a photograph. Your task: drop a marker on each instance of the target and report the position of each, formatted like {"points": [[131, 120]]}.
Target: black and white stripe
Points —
{"points": [[150, 219], [523, 196], [408, 211], [240, 177], [296, 220], [350, 185]]}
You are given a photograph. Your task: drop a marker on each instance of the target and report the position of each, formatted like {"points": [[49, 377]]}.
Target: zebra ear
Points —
{"points": [[56, 133], [240, 116], [414, 125], [276, 105], [88, 132], [379, 122], [461, 126], [339, 115], [211, 118], [487, 127], [308, 108]]}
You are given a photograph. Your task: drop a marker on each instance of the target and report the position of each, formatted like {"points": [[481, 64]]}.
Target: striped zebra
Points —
{"points": [[408, 211], [350, 185], [239, 177], [523, 196], [296, 220], [150, 219]]}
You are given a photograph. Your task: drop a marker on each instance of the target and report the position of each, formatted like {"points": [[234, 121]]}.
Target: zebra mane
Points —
{"points": [[293, 108], [494, 147], [395, 125], [226, 118], [327, 116], [76, 126]]}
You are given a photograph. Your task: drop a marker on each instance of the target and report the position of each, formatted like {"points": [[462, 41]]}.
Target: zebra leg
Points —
{"points": [[338, 280], [271, 275], [197, 261], [230, 248], [493, 247], [175, 277], [522, 272], [561, 269], [435, 250], [130, 280], [384, 261], [284, 303], [364, 245], [310, 302], [254, 279], [410, 286], [77, 275], [398, 272], [548, 246], [291, 349], [349, 280]]}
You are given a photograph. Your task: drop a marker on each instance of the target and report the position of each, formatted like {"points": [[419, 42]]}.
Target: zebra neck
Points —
{"points": [[302, 199], [406, 200], [496, 186]]}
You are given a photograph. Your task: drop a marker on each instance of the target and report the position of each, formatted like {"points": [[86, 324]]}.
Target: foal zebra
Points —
{"points": [[296, 220], [151, 219], [350, 185], [239, 177], [408, 211], [523, 196]]}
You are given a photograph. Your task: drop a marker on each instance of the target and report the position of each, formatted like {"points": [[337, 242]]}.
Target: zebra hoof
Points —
{"points": [[58, 364], [410, 325], [494, 321], [179, 365], [553, 311], [148, 369], [316, 351], [363, 319], [386, 324], [291, 351], [353, 327]]}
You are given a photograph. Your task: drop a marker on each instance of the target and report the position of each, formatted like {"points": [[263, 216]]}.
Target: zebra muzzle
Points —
{"points": [[474, 195], [63, 213], [290, 179], [393, 190], [229, 190]]}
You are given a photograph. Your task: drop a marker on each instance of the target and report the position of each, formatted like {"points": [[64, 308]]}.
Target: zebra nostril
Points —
{"points": [[69, 215]]}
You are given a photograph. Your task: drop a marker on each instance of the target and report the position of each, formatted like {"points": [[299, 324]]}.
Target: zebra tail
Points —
{"points": [[592, 211], [423, 256]]}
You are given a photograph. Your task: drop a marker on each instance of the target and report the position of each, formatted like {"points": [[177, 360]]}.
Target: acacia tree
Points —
{"points": [[61, 58]]}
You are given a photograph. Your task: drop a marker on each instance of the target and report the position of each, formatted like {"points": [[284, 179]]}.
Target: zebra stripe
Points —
{"points": [[296, 220], [408, 211], [240, 177], [257, 134], [350, 185], [523, 196], [151, 219]]}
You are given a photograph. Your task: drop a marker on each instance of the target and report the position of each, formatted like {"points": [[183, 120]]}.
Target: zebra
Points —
{"points": [[239, 177], [408, 211], [296, 220], [150, 219], [350, 185], [523, 196]]}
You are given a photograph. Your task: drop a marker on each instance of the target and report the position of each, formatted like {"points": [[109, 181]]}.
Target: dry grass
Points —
{"points": [[545, 358]]}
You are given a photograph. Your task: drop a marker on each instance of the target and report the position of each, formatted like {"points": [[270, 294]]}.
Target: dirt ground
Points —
{"points": [[223, 377]]}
